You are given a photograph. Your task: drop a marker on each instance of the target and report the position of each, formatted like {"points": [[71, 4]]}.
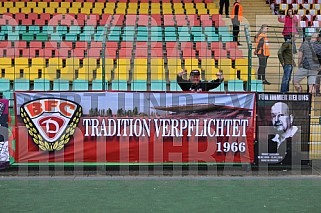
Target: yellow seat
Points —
{"points": [[7, 4], [3, 10], [214, 11], [179, 11], [87, 70], [143, 11], [9, 71], [73, 10], [189, 5], [157, 69], [65, 4], [109, 66], [100, 5], [225, 65], [31, 4], [109, 10], [174, 67], [208, 65], [14, 10], [190, 11], [131, 11], [62, 10], [140, 69], [42, 4], [50, 10], [37, 69], [191, 64], [97, 11], [202, 11], [167, 11], [26, 10], [22, 67], [85, 11], [68, 72], [38, 10], [20, 5], [76, 4], [122, 69], [88, 5], [54, 4], [110, 5], [54, 65], [211, 6]]}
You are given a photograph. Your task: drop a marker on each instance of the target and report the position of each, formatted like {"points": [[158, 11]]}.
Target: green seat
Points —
{"points": [[119, 85], [173, 86], [4, 84], [257, 86], [158, 85], [21, 84], [220, 88], [60, 85], [98, 85], [87, 34], [29, 36], [10, 96], [43, 35], [80, 85], [138, 85], [41, 84], [73, 33], [235, 86]]}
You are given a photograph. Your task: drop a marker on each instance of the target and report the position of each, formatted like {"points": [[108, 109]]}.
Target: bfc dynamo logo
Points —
{"points": [[51, 121]]}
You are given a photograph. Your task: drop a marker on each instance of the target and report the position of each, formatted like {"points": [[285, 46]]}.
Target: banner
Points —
{"points": [[4, 151], [138, 127], [283, 127]]}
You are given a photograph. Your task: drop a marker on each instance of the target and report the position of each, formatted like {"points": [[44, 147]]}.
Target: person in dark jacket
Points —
{"points": [[225, 3], [195, 84], [285, 55]]}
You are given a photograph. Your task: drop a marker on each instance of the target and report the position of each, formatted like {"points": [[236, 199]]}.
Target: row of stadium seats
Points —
{"points": [[104, 1], [140, 68], [115, 20], [136, 85], [109, 7]]}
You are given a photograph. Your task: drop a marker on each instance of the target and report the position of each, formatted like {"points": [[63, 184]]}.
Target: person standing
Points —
{"points": [[290, 24], [307, 66], [285, 55], [195, 84], [262, 50], [236, 17], [225, 3]]}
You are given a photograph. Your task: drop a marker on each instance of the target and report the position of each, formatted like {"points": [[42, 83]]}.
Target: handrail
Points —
{"points": [[249, 57]]}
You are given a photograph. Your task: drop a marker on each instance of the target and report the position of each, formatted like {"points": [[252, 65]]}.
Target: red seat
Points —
{"points": [[81, 44], [96, 44], [156, 20], [193, 20], [118, 20], [216, 45], [27, 22], [188, 53], [141, 53], [20, 16], [143, 20], [112, 44], [32, 16], [94, 53], [186, 45], [79, 52], [156, 52], [158, 45], [201, 45], [131, 20], [125, 53], [51, 44], [105, 18], [45, 16], [168, 20], [234, 54], [204, 53], [173, 53], [126, 44], [40, 22], [21, 44], [35, 44], [5, 44], [220, 54], [110, 53]]}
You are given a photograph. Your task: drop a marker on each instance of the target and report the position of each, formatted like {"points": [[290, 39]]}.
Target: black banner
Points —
{"points": [[283, 128]]}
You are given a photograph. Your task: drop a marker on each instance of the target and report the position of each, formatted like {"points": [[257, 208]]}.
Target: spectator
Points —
{"points": [[290, 24], [307, 66], [237, 15], [195, 84], [317, 49], [225, 3], [262, 50], [285, 55]]}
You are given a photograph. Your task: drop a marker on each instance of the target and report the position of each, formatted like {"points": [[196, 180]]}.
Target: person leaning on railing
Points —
{"points": [[195, 84]]}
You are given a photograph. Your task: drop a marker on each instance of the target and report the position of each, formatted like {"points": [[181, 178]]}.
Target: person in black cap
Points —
{"points": [[195, 84]]}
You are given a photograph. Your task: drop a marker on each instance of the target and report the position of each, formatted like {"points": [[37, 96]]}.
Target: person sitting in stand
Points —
{"points": [[195, 84]]}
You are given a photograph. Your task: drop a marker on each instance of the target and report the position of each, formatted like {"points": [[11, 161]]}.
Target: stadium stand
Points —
{"points": [[58, 45]]}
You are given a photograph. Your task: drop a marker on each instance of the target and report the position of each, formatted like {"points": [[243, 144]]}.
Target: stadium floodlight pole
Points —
{"points": [[103, 55], [249, 57]]}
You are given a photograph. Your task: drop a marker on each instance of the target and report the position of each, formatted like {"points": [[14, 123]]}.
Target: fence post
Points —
{"points": [[249, 57], [103, 55]]}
